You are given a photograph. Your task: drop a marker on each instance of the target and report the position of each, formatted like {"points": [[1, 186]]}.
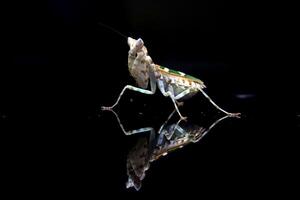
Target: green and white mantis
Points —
{"points": [[173, 84]]}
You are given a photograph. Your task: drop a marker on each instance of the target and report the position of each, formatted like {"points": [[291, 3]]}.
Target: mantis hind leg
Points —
{"points": [[187, 91], [222, 110]]}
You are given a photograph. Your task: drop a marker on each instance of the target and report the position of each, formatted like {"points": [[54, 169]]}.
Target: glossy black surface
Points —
{"points": [[60, 66]]}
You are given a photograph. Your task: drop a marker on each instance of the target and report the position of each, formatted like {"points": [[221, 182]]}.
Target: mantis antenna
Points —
{"points": [[113, 30]]}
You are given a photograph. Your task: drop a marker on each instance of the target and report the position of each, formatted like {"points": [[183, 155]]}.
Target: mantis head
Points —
{"points": [[138, 62], [135, 45]]}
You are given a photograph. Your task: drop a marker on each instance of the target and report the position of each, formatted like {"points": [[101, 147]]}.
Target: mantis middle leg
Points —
{"points": [[171, 95]]}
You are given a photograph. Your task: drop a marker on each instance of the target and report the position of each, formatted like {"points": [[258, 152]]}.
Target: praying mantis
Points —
{"points": [[176, 85]]}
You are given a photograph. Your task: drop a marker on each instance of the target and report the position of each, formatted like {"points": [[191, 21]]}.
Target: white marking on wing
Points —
{"points": [[166, 70]]}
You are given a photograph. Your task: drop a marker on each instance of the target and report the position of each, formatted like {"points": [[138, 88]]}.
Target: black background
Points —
{"points": [[59, 66]]}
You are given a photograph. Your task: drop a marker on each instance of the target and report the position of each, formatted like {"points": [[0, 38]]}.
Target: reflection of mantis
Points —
{"points": [[174, 84], [169, 138]]}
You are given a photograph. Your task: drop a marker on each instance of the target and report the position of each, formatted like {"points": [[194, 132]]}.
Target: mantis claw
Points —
{"points": [[179, 103], [106, 108], [183, 118], [238, 115]]}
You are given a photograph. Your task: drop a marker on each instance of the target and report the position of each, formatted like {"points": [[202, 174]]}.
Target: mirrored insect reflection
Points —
{"points": [[169, 137]]}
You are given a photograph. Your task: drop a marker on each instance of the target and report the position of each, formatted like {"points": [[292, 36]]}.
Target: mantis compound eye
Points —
{"points": [[139, 44]]}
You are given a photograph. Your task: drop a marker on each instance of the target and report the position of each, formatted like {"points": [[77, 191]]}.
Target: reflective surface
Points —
{"points": [[152, 144], [240, 150]]}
